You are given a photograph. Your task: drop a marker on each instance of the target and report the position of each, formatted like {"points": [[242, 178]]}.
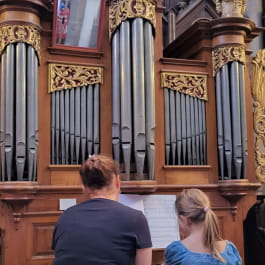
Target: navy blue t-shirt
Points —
{"points": [[100, 231]]}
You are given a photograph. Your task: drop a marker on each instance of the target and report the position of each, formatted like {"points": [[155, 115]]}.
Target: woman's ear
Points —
{"points": [[184, 226], [183, 219]]}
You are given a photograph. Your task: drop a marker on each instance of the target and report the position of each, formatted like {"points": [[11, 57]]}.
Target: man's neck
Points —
{"points": [[103, 194]]}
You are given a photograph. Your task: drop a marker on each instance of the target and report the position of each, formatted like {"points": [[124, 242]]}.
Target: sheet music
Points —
{"points": [[160, 213], [133, 200]]}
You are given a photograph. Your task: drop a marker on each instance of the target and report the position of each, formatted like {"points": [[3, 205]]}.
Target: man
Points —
{"points": [[101, 230]]}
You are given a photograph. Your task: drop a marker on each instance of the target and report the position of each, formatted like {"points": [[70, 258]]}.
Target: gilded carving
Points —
{"points": [[190, 84], [231, 8], [120, 10], [258, 93], [63, 76], [224, 55], [19, 33]]}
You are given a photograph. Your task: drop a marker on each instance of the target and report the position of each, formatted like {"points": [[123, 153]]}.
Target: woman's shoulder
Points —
{"points": [[175, 252], [230, 247], [231, 254], [176, 245]]}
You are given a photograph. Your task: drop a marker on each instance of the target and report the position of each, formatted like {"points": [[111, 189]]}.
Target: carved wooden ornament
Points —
{"points": [[63, 76], [191, 84], [258, 93], [121, 10], [224, 55], [19, 33]]}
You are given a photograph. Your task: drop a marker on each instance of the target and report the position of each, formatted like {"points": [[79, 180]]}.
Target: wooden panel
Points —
{"points": [[65, 177], [187, 174], [42, 238]]}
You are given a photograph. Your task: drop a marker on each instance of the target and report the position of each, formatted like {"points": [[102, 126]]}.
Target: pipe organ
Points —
{"points": [[185, 124], [19, 104], [133, 128], [75, 113], [230, 98], [164, 87]]}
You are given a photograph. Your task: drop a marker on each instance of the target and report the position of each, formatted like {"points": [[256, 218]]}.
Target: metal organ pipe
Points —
{"points": [[150, 97], [236, 126], [173, 124], [20, 109], [9, 112], [32, 112], [138, 95], [67, 124], [126, 98], [3, 113], [62, 127], [96, 119], [243, 116], [83, 123], [227, 119], [77, 130], [116, 105], [90, 109], [72, 125], [167, 125]]}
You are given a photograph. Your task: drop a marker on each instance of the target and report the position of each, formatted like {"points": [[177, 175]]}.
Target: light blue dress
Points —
{"points": [[177, 254]]}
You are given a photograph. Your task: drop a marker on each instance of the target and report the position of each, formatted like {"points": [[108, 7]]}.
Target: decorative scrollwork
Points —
{"points": [[19, 33], [258, 93], [224, 55], [190, 84], [63, 76], [231, 8], [120, 10]]}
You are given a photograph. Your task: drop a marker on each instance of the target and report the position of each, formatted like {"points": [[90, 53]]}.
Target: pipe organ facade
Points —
{"points": [[163, 86]]}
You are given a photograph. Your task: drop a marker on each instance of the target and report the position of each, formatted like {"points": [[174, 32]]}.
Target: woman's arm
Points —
{"points": [[143, 256]]}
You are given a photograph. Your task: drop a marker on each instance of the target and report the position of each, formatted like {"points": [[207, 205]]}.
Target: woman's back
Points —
{"points": [[178, 254], [202, 242]]}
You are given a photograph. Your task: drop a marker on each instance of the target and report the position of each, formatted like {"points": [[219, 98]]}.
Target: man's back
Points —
{"points": [[99, 231]]}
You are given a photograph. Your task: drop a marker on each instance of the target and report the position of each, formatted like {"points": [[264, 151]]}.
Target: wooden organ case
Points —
{"points": [[162, 86]]}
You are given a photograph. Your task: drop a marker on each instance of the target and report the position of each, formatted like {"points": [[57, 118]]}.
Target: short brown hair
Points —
{"points": [[98, 171]]}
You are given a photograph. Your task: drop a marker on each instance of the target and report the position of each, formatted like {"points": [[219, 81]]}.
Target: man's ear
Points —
{"points": [[117, 181], [85, 189]]}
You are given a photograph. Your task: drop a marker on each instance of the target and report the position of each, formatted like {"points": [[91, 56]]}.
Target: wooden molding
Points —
{"points": [[234, 190], [17, 204]]}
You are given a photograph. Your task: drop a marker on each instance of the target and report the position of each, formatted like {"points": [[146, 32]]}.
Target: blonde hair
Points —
{"points": [[195, 205]]}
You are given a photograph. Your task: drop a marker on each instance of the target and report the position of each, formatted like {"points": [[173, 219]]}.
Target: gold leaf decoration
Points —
{"points": [[224, 55], [62, 76], [19, 33], [258, 93], [120, 10], [190, 84]]}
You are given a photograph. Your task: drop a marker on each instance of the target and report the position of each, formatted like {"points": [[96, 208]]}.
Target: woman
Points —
{"points": [[100, 230], [202, 243]]}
